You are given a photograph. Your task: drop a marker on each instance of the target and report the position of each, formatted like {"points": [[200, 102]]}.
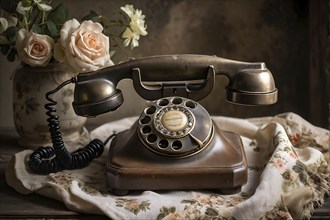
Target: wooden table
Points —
{"points": [[14, 205]]}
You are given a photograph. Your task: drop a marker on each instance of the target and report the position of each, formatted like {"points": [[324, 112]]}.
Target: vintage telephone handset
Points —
{"points": [[174, 144]]}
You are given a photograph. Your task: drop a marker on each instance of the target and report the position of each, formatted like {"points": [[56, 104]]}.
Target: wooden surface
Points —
{"points": [[17, 206]]}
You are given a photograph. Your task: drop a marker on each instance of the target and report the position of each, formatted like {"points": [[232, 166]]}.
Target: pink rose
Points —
{"points": [[279, 163], [34, 49], [85, 47]]}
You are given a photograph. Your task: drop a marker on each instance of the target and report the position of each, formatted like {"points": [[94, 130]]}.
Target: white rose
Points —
{"points": [[137, 23], [34, 49], [86, 48], [136, 27], [128, 9], [130, 38]]}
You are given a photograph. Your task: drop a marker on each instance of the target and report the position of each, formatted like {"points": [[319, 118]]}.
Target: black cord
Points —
{"points": [[109, 138], [47, 160]]}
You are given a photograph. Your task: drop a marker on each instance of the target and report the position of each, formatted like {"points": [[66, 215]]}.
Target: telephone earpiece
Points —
{"points": [[96, 97]]}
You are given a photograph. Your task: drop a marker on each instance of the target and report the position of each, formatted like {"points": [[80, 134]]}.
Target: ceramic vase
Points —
{"points": [[30, 85]]}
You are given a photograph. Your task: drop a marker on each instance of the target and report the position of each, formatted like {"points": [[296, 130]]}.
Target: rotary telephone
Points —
{"points": [[174, 144]]}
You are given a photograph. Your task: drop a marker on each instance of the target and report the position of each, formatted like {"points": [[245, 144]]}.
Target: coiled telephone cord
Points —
{"points": [[47, 160]]}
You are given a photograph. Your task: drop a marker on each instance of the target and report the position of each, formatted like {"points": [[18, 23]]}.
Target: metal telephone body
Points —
{"points": [[174, 145]]}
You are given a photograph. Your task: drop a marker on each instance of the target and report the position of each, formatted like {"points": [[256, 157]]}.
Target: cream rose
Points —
{"points": [[34, 49], [136, 27], [85, 47]]}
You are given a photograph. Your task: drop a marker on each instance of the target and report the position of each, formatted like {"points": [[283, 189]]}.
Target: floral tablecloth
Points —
{"points": [[287, 177]]}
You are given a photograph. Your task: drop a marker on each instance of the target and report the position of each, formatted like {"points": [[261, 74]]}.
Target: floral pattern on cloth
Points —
{"points": [[203, 206], [287, 178], [133, 205]]}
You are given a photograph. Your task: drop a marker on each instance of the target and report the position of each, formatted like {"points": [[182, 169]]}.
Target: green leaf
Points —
{"points": [[10, 33], [91, 16], [53, 32], [59, 15], [11, 55], [36, 29], [5, 49], [164, 210], [3, 40], [303, 177], [9, 5], [297, 168], [172, 209], [189, 201], [211, 212], [161, 216], [287, 149]]}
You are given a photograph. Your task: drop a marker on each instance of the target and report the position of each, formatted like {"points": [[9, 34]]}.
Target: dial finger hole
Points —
{"points": [[145, 120], [152, 138], [190, 104], [151, 110], [176, 145], [163, 144], [146, 129], [163, 102], [177, 101]]}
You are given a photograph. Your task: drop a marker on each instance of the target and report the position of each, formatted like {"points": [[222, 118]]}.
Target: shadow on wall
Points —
{"points": [[270, 31]]}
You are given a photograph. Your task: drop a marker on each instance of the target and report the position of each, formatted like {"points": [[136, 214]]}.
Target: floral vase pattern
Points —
{"points": [[30, 85]]}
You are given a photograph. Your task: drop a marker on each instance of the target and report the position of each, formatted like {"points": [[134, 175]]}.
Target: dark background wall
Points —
{"points": [[272, 31]]}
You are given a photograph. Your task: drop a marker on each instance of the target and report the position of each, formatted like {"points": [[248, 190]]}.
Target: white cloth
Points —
{"points": [[287, 175]]}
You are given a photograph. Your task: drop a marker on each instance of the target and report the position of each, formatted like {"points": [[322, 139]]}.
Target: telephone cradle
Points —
{"points": [[174, 144]]}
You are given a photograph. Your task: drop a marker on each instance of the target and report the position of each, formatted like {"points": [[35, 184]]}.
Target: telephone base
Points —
{"points": [[220, 166]]}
